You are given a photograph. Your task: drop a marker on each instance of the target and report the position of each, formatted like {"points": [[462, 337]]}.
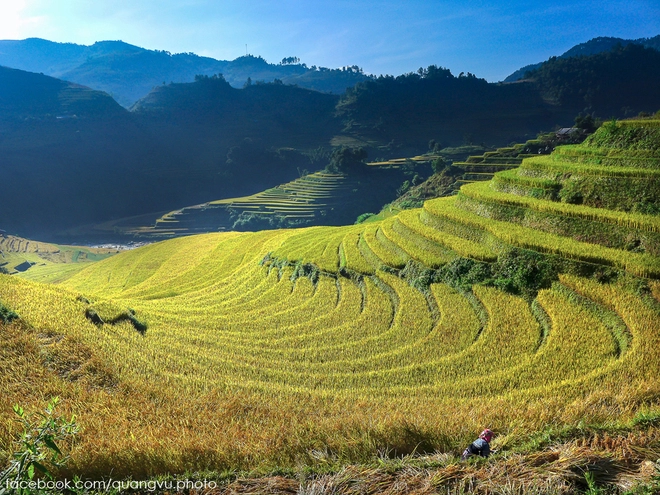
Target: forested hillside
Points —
{"points": [[621, 82], [186, 144], [591, 47]]}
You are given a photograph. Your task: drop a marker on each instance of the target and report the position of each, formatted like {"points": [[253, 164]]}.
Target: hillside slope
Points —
{"points": [[433, 104], [513, 305], [189, 144], [81, 159], [46, 262], [27, 95], [611, 84]]}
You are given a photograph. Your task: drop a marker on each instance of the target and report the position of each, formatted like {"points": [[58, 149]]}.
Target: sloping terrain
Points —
{"points": [[25, 95], [504, 306], [412, 109], [73, 157], [298, 202], [189, 144]]}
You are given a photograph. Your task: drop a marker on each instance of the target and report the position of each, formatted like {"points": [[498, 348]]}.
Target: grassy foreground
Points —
{"points": [[318, 349]]}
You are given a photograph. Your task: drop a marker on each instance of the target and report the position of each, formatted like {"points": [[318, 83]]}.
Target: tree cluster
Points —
{"points": [[345, 160], [290, 61]]}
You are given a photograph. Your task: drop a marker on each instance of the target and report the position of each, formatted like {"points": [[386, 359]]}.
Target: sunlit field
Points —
{"points": [[387, 338]]}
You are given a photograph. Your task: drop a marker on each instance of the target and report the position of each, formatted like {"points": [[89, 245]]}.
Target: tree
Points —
{"points": [[214, 78], [346, 160], [289, 60], [586, 122], [438, 165]]}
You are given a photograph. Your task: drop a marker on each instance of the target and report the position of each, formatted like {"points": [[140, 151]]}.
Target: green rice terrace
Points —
{"points": [[318, 198], [528, 303], [301, 200]]}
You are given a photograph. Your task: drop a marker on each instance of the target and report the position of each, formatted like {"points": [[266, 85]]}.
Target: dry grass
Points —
{"points": [[560, 470]]}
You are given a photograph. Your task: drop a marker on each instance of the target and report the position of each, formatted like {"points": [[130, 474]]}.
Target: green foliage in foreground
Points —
{"points": [[36, 450]]}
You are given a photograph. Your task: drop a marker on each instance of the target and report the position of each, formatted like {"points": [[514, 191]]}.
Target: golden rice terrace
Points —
{"points": [[525, 302]]}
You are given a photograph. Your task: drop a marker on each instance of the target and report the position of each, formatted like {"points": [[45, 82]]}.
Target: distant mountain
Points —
{"points": [[71, 155], [239, 141], [412, 109], [128, 72], [591, 47], [29, 95], [409, 111]]}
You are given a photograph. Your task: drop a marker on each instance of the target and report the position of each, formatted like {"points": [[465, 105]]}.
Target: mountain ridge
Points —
{"points": [[129, 72]]}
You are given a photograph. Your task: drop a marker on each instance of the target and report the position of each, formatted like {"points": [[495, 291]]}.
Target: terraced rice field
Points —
{"points": [[263, 348], [44, 261], [301, 200]]}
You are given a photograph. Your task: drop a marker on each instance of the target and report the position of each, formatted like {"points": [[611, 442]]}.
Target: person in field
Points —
{"points": [[480, 447]]}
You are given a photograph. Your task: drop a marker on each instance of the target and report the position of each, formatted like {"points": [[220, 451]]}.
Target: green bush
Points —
{"points": [[517, 271], [363, 217], [523, 272], [6, 314], [461, 273], [439, 164], [572, 192], [346, 160]]}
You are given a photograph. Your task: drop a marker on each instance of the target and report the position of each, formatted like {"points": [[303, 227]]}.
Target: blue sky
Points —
{"points": [[488, 38]]}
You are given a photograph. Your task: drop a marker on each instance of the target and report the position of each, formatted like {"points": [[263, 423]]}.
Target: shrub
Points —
{"points": [[6, 314], [517, 271], [439, 164], [571, 193], [347, 160], [363, 217], [524, 272], [462, 273]]}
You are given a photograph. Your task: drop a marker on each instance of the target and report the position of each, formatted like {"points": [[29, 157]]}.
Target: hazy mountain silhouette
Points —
{"points": [[71, 155], [128, 72]]}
